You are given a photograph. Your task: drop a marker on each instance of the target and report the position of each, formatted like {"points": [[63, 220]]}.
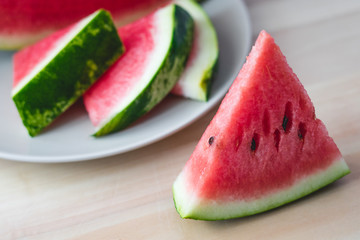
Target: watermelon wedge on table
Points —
{"points": [[27, 21], [157, 47], [52, 74], [264, 147], [195, 82]]}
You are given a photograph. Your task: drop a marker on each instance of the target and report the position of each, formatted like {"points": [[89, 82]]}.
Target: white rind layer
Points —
{"points": [[189, 206], [162, 35], [60, 45], [205, 53]]}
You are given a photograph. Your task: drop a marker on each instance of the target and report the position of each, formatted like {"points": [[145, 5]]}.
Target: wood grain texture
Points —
{"points": [[129, 196]]}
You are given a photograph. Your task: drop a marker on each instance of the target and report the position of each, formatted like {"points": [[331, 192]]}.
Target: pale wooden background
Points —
{"points": [[129, 196]]}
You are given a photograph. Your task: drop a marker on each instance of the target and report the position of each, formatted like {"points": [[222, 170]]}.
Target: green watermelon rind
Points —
{"points": [[188, 206], [196, 80], [160, 84], [69, 74]]}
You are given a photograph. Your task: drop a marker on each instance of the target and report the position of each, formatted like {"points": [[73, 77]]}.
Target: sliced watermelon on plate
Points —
{"points": [[195, 82], [264, 147], [157, 47], [27, 21], [52, 74]]}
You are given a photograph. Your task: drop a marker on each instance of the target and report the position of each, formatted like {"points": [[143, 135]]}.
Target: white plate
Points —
{"points": [[69, 137]]}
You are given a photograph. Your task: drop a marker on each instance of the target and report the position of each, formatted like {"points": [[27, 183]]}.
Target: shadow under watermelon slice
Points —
{"points": [[264, 147]]}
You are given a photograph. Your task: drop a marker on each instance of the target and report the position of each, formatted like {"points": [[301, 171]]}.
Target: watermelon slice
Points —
{"points": [[157, 47], [195, 82], [50, 75], [27, 21], [264, 147]]}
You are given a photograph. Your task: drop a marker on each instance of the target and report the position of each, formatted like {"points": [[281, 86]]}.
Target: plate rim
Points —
{"points": [[243, 11]]}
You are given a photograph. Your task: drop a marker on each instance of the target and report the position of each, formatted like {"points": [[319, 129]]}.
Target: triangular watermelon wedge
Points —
{"points": [[264, 147]]}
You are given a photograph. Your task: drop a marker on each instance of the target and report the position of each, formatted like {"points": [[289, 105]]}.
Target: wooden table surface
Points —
{"points": [[129, 196]]}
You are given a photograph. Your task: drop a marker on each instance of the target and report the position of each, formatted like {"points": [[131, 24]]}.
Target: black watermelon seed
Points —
{"points": [[285, 121], [253, 145], [300, 134], [211, 140], [255, 142], [288, 117], [301, 131]]}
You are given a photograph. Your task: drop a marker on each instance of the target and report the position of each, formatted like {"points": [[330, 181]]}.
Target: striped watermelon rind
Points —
{"points": [[46, 94], [195, 82], [166, 75]]}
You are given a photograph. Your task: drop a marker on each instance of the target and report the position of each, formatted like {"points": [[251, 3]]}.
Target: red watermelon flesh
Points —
{"points": [[138, 39], [25, 60], [51, 75], [264, 147], [24, 22], [157, 48]]}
